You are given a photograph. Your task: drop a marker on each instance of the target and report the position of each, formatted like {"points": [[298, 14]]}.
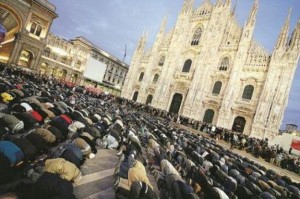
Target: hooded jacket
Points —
{"points": [[46, 135], [138, 173], [65, 169], [12, 152]]}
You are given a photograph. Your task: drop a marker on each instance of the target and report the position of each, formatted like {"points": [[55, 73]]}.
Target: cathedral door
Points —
{"points": [[208, 116], [135, 96], [149, 100], [239, 124], [176, 103]]}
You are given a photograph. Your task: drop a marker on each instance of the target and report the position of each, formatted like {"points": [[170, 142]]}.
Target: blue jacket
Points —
{"points": [[12, 152]]}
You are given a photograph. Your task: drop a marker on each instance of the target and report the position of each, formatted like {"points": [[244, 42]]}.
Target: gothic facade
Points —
{"points": [[209, 68]]}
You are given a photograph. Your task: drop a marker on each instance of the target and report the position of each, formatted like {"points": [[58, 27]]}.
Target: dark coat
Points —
{"points": [[39, 143], [28, 149], [51, 186]]}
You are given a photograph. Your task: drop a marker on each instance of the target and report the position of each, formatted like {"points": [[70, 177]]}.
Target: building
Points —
{"points": [[80, 61], [29, 44], [64, 59], [209, 68], [27, 23], [114, 70], [291, 128]]}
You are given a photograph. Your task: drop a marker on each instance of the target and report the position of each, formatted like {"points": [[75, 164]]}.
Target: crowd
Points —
{"points": [[258, 147], [49, 129]]}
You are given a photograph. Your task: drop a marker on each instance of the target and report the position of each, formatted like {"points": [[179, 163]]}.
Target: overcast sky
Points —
{"points": [[110, 24]]}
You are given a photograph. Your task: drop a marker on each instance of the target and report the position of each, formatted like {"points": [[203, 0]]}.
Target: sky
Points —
{"points": [[110, 24]]}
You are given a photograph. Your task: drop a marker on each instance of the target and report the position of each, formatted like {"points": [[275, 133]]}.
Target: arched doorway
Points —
{"points": [[10, 25], [25, 59], [135, 96], [239, 124], [43, 68], [209, 116], [149, 99], [176, 103]]}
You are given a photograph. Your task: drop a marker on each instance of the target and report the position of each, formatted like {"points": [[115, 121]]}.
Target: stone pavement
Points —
{"points": [[98, 176], [97, 182], [98, 179]]}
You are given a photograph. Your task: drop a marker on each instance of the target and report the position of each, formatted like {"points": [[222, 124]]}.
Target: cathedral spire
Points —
{"points": [[142, 41], [234, 8], [219, 3], [187, 6], [163, 25], [252, 17], [295, 40], [283, 36], [161, 32]]}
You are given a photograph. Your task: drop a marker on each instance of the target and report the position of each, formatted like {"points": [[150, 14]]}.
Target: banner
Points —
{"points": [[2, 33], [295, 144]]}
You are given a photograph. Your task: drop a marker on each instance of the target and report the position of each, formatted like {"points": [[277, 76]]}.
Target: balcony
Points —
{"points": [[184, 76]]}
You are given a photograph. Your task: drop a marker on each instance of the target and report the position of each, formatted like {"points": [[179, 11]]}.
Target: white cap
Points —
{"points": [[92, 155]]}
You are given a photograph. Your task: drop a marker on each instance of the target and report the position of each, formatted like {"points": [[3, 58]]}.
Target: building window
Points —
{"points": [[224, 64], [109, 78], [114, 80], [78, 65], [217, 88], [248, 92], [187, 66], [141, 76], [54, 56], [33, 28], [36, 29], [149, 99], [162, 60], [196, 36], [155, 78], [47, 52], [135, 96], [63, 59]]}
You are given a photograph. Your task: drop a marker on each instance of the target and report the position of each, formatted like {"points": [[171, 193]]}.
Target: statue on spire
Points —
{"points": [[283, 36], [252, 17], [187, 6], [295, 39]]}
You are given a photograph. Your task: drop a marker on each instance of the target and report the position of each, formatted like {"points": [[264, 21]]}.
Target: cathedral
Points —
{"points": [[209, 68]]}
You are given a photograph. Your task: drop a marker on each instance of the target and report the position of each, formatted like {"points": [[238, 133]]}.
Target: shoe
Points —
{"points": [[120, 153]]}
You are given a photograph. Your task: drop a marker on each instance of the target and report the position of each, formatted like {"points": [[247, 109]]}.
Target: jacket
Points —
{"points": [[50, 186], [39, 143], [12, 152], [9, 121], [65, 169], [84, 147], [46, 135], [138, 173], [27, 148]]}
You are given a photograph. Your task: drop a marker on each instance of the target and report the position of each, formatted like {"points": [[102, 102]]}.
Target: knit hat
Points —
{"points": [[6, 97]]}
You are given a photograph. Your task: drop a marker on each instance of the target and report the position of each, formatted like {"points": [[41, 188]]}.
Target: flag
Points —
{"points": [[2, 33], [125, 52]]}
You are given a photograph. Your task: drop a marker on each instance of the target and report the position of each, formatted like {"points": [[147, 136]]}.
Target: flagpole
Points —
{"points": [[125, 52]]}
